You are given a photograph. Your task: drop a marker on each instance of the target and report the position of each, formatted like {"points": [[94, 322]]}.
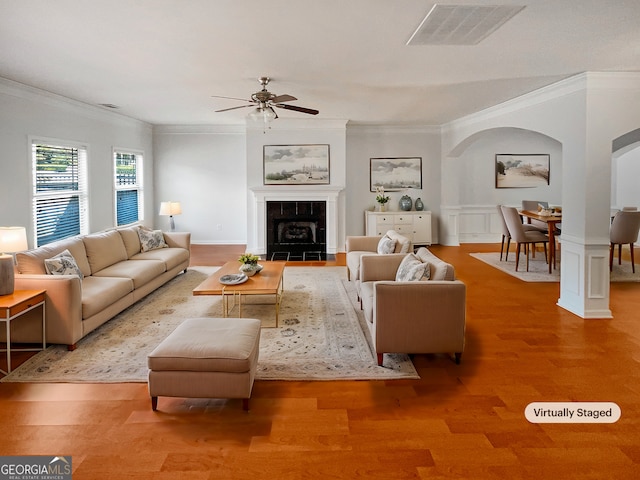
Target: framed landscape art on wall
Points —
{"points": [[522, 171], [395, 173], [296, 164]]}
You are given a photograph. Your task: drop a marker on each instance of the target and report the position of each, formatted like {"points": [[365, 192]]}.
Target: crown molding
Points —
{"points": [[365, 129], [556, 90], [19, 90], [228, 129]]}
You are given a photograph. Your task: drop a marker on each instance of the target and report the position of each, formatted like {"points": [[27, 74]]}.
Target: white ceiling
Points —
{"points": [[161, 60]]}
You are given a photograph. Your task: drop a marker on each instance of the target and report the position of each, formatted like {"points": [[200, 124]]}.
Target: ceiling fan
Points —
{"points": [[264, 101]]}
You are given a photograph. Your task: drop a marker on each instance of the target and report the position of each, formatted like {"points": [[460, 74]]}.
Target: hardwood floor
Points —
{"points": [[458, 421]]}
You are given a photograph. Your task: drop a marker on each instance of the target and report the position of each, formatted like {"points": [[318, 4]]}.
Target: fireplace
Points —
{"points": [[328, 195], [296, 230]]}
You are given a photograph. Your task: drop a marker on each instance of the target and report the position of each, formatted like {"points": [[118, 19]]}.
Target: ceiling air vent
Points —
{"points": [[461, 24]]}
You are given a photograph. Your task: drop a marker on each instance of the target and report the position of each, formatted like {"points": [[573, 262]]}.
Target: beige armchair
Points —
{"points": [[357, 246], [417, 316]]}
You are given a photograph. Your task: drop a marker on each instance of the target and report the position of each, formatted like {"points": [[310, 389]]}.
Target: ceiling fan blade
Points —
{"points": [[234, 108], [295, 108], [283, 98], [232, 98]]}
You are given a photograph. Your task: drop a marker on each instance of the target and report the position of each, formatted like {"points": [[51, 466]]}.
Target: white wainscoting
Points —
{"points": [[469, 224]]}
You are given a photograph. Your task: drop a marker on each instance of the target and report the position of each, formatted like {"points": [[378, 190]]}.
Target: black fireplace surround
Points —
{"points": [[296, 230]]}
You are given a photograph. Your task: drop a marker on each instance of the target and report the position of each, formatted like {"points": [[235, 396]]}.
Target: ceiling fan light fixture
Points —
{"points": [[263, 113], [256, 114], [269, 114], [264, 102]]}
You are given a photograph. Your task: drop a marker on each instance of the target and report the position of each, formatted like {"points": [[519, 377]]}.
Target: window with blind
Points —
{"points": [[128, 187], [59, 191]]}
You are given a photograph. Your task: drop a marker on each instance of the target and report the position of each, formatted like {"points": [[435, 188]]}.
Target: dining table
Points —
{"points": [[552, 220]]}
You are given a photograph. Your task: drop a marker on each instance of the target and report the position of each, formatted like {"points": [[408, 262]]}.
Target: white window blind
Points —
{"points": [[59, 191], [128, 187]]}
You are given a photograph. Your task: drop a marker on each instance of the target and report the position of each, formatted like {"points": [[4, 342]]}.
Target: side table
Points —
{"points": [[12, 307]]}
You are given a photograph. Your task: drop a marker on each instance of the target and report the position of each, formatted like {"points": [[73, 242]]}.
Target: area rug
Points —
{"points": [[539, 270], [319, 336]]}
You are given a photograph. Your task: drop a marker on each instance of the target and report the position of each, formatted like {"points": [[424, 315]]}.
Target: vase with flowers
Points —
{"points": [[249, 264], [381, 198]]}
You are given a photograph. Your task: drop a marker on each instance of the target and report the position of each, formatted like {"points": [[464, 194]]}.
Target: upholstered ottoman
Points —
{"points": [[206, 358]]}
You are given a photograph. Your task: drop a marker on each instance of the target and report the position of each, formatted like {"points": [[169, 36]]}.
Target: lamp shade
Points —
{"points": [[13, 239], [170, 208]]}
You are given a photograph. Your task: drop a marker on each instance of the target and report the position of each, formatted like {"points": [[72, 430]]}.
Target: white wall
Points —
{"points": [[477, 184], [27, 112], [205, 169], [626, 180], [366, 142]]}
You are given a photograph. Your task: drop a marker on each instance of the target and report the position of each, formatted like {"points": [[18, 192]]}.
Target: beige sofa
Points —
{"points": [[116, 275], [356, 246], [413, 316]]}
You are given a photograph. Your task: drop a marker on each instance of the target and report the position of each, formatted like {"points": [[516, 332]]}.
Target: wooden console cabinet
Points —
{"points": [[415, 225]]}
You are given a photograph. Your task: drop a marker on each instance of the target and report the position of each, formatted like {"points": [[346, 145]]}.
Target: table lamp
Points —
{"points": [[12, 239], [171, 209]]}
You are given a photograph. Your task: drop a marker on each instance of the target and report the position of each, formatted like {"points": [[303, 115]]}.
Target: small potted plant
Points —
{"points": [[249, 263], [381, 198]]}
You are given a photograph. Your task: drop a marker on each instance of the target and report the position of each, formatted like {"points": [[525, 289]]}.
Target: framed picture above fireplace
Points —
{"points": [[395, 174], [296, 164]]}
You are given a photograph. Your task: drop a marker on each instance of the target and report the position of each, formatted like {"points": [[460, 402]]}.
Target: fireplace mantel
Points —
{"points": [[273, 193]]}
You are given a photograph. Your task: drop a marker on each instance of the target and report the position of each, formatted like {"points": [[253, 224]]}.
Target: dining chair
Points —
{"points": [[629, 209], [522, 236], [624, 229], [507, 236]]}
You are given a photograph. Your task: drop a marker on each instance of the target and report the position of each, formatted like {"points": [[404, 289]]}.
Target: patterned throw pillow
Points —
{"points": [[151, 239], [412, 269], [386, 245], [63, 264]]}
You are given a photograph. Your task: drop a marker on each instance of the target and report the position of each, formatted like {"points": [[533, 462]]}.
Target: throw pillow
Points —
{"points": [[386, 245], [151, 239], [412, 269], [63, 264]]}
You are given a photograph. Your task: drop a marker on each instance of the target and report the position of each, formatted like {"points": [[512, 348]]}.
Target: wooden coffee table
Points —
{"points": [[269, 281]]}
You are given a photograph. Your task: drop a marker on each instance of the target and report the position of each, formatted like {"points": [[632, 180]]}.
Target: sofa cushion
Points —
{"points": [[366, 296], [386, 245], [63, 264], [440, 270], [403, 244], [131, 240], [32, 261], [151, 239], [171, 257], [104, 249], [412, 269], [140, 272], [100, 292], [353, 262]]}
